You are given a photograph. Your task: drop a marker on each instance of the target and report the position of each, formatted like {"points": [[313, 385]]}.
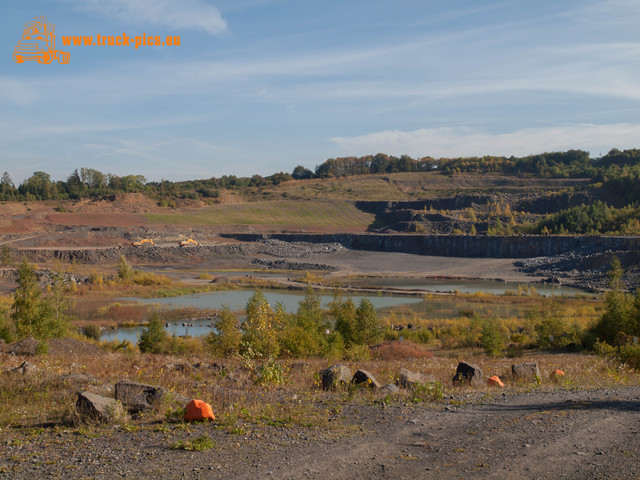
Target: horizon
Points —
{"points": [[262, 86]]}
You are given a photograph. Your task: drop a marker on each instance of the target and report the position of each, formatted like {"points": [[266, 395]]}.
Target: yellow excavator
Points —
{"points": [[144, 242], [190, 241]]}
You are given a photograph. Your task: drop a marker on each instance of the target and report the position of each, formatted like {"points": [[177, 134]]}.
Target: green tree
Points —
{"points": [[263, 326], [493, 336], [125, 272], [622, 313], [32, 315], [367, 331], [154, 338], [304, 334], [344, 313], [225, 339]]}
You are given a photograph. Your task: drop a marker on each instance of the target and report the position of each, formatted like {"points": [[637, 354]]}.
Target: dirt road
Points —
{"points": [[542, 435]]}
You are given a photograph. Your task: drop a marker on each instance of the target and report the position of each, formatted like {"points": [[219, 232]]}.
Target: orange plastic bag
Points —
{"points": [[495, 381], [198, 410]]}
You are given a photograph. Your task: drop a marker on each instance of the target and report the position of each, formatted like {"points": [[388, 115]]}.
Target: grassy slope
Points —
{"points": [[328, 204], [406, 186], [281, 213]]}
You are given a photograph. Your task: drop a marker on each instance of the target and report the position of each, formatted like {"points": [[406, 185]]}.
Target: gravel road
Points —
{"points": [[541, 435]]}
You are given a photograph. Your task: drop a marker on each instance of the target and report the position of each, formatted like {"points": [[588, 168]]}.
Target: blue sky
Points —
{"points": [[260, 86]]}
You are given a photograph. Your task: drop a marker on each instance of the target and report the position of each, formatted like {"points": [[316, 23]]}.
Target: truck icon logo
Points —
{"points": [[38, 43]]}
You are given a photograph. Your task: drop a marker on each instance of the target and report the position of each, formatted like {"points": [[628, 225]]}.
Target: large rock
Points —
{"points": [[97, 408], [390, 389], [334, 376], [526, 372], [363, 377], [408, 379], [468, 373], [137, 397], [26, 368]]}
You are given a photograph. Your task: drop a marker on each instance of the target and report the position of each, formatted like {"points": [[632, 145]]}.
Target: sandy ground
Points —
{"points": [[397, 264]]}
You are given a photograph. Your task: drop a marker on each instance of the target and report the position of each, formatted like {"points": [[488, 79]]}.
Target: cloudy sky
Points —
{"points": [[259, 86]]}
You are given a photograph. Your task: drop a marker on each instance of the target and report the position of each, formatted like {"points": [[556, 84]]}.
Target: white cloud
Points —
{"points": [[16, 91], [183, 14], [467, 141]]}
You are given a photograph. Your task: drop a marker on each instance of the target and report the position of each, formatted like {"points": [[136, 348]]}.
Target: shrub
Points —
{"points": [[149, 279], [154, 338], [91, 331], [622, 314], [33, 315], [263, 326], [125, 272], [550, 326], [630, 354], [199, 444], [272, 373], [225, 339], [492, 336], [430, 392], [298, 342]]}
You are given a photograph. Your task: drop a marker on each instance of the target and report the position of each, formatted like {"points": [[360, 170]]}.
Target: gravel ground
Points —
{"points": [[542, 435]]}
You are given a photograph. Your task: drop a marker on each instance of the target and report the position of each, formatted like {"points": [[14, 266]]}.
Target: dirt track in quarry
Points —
{"points": [[542, 435]]}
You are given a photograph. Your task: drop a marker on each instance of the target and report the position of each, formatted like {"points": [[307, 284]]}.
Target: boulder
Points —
{"points": [[26, 368], [97, 408], [137, 397], [408, 379], [468, 373], [390, 389], [363, 377], [334, 376], [526, 372]]}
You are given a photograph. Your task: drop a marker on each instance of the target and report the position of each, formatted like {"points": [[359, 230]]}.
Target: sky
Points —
{"points": [[261, 86]]}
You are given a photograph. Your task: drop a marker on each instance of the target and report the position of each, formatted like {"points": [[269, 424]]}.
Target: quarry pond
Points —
{"points": [[418, 298]]}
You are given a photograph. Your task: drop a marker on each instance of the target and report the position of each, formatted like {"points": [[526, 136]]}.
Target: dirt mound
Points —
{"points": [[57, 346], [395, 350], [71, 346], [23, 347]]}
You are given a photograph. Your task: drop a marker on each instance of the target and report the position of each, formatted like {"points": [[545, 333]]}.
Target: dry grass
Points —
{"points": [[241, 404], [329, 214]]}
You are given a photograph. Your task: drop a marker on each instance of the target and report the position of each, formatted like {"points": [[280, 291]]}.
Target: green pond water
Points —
{"points": [[434, 308]]}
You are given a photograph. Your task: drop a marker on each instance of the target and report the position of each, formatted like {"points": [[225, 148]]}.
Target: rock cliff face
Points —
{"points": [[461, 245]]}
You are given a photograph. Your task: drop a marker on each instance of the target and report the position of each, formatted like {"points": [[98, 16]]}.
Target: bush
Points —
{"points": [[91, 331], [225, 339], [154, 338], [550, 327], [298, 342], [149, 279], [33, 315], [630, 354], [493, 335], [125, 272]]}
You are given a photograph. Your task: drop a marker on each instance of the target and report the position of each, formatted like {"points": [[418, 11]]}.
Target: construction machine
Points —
{"points": [[190, 241], [144, 242]]}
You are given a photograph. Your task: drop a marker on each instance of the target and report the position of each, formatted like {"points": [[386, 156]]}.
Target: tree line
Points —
{"points": [[616, 173]]}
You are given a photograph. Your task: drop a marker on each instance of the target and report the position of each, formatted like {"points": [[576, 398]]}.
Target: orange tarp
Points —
{"points": [[495, 381], [198, 410]]}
